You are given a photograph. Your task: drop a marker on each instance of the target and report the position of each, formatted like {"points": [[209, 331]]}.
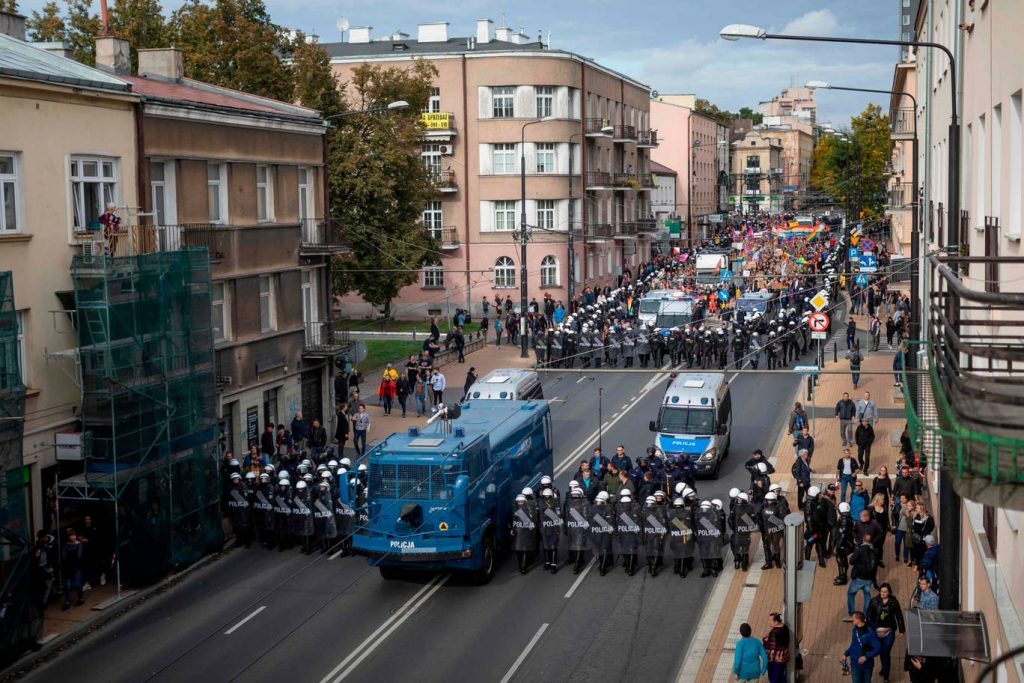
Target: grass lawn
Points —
{"points": [[365, 325], [380, 352]]}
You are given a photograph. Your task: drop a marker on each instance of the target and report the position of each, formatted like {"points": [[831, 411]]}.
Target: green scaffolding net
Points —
{"points": [[149, 409]]}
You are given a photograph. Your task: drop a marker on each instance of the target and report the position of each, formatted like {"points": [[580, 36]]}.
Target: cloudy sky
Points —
{"points": [[671, 45]]}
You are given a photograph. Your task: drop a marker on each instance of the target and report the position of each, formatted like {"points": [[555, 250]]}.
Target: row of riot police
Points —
{"points": [[829, 530], [308, 512]]}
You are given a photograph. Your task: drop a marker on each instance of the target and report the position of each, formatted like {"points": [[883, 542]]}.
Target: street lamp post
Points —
{"points": [[524, 348], [390, 106], [915, 236]]}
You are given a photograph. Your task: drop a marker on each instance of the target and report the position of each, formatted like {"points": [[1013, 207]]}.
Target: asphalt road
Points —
{"points": [[255, 615]]}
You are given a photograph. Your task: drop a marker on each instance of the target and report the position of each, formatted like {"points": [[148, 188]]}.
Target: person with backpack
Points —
{"points": [[797, 421], [863, 568], [856, 358]]}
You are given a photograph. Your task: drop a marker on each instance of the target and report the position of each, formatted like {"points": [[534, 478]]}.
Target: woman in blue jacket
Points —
{"points": [[750, 661]]}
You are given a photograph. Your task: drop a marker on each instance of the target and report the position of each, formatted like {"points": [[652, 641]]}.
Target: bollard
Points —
{"points": [[810, 387], [835, 352]]}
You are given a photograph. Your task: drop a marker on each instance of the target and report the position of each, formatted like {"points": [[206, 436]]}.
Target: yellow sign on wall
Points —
{"points": [[436, 120]]}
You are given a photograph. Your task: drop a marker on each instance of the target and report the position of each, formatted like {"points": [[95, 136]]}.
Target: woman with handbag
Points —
{"points": [[776, 645], [885, 616]]}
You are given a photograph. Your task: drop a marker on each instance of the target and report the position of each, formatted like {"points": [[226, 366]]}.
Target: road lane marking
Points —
{"points": [[336, 554], [579, 579], [244, 621], [582, 379], [363, 650], [524, 654]]}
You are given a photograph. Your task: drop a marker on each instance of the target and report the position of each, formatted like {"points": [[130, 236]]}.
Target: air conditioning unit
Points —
{"points": [[446, 150]]}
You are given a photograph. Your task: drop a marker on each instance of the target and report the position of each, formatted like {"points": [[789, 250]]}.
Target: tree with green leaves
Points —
{"points": [[48, 25], [855, 165], [748, 113], [9, 6], [233, 43], [141, 23], [713, 111], [77, 27], [378, 183], [316, 85]]}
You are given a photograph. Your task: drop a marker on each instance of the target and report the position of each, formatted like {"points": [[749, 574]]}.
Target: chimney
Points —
{"points": [[503, 34], [56, 48], [12, 25], [435, 32], [165, 62], [483, 30], [359, 34], [112, 54]]}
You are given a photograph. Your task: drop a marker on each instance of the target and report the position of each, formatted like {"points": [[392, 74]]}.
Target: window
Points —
{"points": [[503, 102], [505, 215], [545, 101], [504, 157], [270, 407], [221, 306], [504, 273], [546, 214], [305, 193], [264, 194], [217, 192], [9, 194], [310, 302], [93, 186], [434, 103], [549, 271], [545, 157], [22, 348], [268, 303], [431, 156], [432, 219], [433, 277]]}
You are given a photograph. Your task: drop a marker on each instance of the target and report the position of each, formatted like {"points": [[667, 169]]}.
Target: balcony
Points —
{"points": [[135, 240], [902, 123], [599, 230], [647, 225], [626, 229], [324, 339], [901, 196], [626, 181], [647, 181], [647, 139], [438, 124], [321, 237], [624, 134], [447, 236], [599, 180], [597, 128], [444, 181]]}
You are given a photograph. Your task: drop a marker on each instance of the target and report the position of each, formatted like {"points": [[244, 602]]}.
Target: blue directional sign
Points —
{"points": [[723, 295], [868, 262], [806, 369], [726, 275], [853, 253], [861, 280]]}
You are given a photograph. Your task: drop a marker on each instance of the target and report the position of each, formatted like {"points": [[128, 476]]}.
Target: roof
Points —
{"points": [[654, 167], [24, 60], [186, 90]]}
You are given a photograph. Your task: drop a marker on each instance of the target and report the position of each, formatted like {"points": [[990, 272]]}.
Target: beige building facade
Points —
{"points": [[756, 173], [586, 166]]}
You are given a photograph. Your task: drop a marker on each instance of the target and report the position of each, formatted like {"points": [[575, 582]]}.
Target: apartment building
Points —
{"points": [[756, 173], [688, 141], [903, 186], [665, 198], [798, 102], [66, 150], [587, 164], [797, 140]]}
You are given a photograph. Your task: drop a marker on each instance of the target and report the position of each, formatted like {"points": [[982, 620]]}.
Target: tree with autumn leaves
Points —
{"points": [[855, 165]]}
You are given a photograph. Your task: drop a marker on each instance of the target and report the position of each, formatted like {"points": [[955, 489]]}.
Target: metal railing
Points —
{"points": [[147, 239], [444, 180], [647, 225], [902, 121], [447, 235], [626, 228], [646, 180], [625, 180], [901, 196], [594, 126], [623, 132], [598, 179], [325, 338], [598, 230], [647, 138], [321, 235]]}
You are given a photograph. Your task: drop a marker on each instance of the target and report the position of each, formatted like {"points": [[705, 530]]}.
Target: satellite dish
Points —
{"points": [[654, 94], [342, 24]]}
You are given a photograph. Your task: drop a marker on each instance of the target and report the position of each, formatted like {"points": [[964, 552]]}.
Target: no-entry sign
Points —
{"points": [[818, 322]]}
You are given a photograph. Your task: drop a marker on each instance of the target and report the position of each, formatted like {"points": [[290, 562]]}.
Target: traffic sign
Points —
{"points": [[853, 253], [723, 295], [867, 244], [861, 280], [806, 369], [819, 300], [819, 335], [818, 322], [868, 263], [725, 275]]}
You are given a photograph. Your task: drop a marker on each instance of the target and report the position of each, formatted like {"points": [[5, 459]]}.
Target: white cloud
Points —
{"points": [[820, 22]]}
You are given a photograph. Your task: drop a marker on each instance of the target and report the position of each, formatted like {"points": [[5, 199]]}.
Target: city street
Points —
{"points": [[269, 616]]}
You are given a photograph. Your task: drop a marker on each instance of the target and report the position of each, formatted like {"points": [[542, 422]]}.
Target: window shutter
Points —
{"points": [[486, 216], [525, 106], [483, 96], [562, 214], [531, 213], [561, 109], [486, 159], [574, 103], [531, 157], [562, 158]]}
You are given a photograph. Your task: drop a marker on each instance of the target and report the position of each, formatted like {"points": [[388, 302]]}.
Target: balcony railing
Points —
{"points": [[902, 122], [322, 236], [447, 236], [135, 240], [624, 180], [626, 229], [647, 138], [444, 181], [599, 180], [595, 127], [647, 225], [599, 230], [437, 121], [324, 339], [624, 134], [647, 181], [901, 196]]}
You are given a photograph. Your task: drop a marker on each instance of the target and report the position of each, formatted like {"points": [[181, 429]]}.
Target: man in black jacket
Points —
{"points": [[317, 440], [863, 568], [755, 458], [804, 440], [846, 412], [906, 485]]}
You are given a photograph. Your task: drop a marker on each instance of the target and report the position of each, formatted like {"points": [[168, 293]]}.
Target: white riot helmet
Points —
{"points": [[547, 493], [813, 492], [678, 503], [705, 505], [717, 503], [744, 497], [762, 467], [733, 492], [250, 476], [680, 488], [520, 498], [346, 463], [545, 480], [775, 488], [573, 485], [770, 496], [602, 497], [362, 467], [527, 492], [650, 500], [301, 485], [844, 507]]}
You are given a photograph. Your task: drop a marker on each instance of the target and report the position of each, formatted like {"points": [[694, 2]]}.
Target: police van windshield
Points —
{"points": [[650, 305], [667, 320], [751, 305], [687, 420]]}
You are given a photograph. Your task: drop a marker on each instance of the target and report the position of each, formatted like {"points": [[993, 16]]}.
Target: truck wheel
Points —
{"points": [[489, 558], [391, 573]]}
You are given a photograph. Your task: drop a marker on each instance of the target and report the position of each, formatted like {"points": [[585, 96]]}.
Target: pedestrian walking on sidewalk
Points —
{"points": [[750, 660], [402, 390], [438, 385], [875, 330], [863, 568], [71, 565], [846, 473], [864, 647], [419, 393], [865, 436], [497, 332], [360, 427], [851, 333], [846, 411], [885, 616], [856, 358], [471, 378], [776, 646], [867, 410], [341, 431]]}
